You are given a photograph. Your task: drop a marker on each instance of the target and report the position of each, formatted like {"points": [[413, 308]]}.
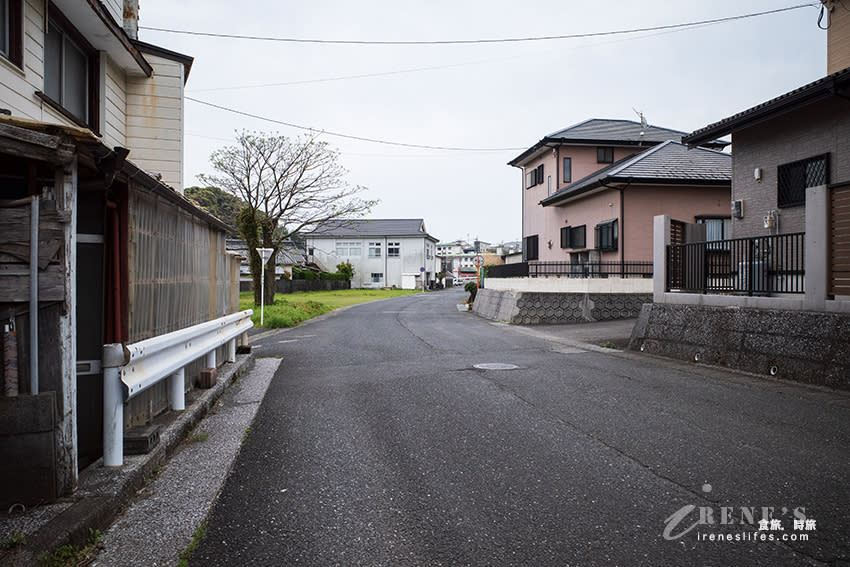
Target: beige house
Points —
{"points": [[97, 243]]}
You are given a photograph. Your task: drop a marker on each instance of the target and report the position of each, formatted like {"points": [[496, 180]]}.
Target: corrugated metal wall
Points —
{"points": [[179, 275]]}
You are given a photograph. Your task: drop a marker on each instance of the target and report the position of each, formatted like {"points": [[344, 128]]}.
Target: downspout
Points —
{"points": [[34, 295], [116, 272], [622, 241]]}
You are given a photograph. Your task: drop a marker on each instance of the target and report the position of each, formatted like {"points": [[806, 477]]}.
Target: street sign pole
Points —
{"points": [[265, 254]]}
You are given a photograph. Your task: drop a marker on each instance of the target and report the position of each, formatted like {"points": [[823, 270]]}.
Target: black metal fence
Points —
{"points": [[754, 266], [567, 269]]}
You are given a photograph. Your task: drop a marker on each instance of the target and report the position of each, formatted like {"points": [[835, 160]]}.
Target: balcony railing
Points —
{"points": [[577, 270], [761, 265]]}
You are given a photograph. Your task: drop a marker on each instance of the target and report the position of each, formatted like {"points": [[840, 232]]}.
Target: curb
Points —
{"points": [[103, 493]]}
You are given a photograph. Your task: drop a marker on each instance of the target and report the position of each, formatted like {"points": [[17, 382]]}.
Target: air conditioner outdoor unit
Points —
{"points": [[758, 269]]}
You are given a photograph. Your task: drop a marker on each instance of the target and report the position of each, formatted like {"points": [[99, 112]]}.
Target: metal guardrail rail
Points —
{"points": [[131, 369]]}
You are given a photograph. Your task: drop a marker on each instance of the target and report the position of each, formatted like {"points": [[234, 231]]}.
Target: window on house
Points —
{"points": [[716, 228], [393, 249], [604, 155], [534, 176], [549, 185], [565, 237], [793, 179], [70, 71], [377, 277], [574, 236], [374, 249], [568, 170], [529, 248], [606, 235], [10, 31]]}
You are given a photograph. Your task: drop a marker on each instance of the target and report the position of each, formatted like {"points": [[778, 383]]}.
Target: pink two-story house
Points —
{"points": [[590, 191]]}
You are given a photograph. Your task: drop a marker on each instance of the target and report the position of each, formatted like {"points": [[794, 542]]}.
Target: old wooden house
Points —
{"points": [[97, 243]]}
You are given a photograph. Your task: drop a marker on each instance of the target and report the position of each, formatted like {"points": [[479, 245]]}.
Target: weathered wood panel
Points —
{"points": [[839, 249], [15, 283]]}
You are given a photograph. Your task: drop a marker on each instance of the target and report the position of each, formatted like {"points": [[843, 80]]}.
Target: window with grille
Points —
{"points": [[377, 277], [394, 249], [573, 236], [793, 179], [529, 248], [606, 236]]}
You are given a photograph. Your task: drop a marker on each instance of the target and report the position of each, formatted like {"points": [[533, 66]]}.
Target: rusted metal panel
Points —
{"points": [[839, 249]]}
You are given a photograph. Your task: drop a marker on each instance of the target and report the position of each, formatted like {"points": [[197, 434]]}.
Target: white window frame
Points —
{"points": [[394, 249], [375, 249]]}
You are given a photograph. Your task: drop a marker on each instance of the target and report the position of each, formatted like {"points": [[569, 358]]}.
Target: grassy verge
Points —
{"points": [[292, 308]]}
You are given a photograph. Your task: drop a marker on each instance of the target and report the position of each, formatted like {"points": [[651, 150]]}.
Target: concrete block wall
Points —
{"points": [[535, 308], [804, 346]]}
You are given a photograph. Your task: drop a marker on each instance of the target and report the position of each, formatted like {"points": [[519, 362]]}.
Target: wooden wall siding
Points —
{"points": [[116, 10], [18, 85], [14, 255], [154, 109], [114, 115], [839, 249]]}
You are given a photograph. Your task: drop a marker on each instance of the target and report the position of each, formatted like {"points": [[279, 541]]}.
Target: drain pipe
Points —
{"points": [[34, 296]]}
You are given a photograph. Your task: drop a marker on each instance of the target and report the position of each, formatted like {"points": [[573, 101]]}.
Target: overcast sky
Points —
{"points": [[502, 95]]}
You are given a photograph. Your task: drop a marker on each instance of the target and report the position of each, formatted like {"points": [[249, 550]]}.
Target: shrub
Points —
{"points": [[346, 269], [472, 289]]}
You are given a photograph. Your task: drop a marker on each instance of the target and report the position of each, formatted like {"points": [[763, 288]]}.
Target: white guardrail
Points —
{"points": [[130, 369]]}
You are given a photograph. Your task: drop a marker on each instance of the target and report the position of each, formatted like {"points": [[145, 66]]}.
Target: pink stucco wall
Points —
{"points": [[683, 203], [546, 222]]}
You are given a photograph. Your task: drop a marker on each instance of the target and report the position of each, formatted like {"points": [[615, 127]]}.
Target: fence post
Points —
{"points": [[114, 357], [231, 350], [751, 264], [660, 242], [176, 385]]}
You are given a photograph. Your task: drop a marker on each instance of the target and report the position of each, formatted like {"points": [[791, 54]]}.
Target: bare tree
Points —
{"points": [[290, 185]]}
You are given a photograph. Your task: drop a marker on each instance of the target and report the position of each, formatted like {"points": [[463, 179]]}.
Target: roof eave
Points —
{"points": [[604, 182], [806, 95]]}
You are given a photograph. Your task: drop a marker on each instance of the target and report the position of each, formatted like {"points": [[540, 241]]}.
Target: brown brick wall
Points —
{"points": [[823, 127], [838, 38]]}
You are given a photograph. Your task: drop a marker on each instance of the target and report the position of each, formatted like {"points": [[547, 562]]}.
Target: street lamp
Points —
{"points": [[265, 254]]}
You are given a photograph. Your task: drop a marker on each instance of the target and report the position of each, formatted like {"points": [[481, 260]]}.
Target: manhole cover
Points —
{"points": [[495, 366]]}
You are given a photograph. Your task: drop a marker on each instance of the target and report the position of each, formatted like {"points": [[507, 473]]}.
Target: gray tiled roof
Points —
{"points": [[606, 132], [602, 130], [667, 163], [373, 227]]}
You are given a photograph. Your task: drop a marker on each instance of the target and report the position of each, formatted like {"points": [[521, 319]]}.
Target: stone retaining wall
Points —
{"points": [[534, 308], [805, 346]]}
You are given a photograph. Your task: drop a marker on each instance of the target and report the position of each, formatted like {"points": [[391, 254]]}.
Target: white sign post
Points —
{"points": [[265, 254]]}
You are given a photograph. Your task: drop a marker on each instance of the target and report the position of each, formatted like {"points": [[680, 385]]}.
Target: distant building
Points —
{"points": [[384, 252]]}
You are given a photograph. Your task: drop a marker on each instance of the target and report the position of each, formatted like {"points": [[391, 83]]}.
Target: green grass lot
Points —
{"points": [[290, 309]]}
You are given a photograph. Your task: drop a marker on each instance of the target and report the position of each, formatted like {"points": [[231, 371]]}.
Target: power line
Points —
{"points": [[348, 136], [483, 41], [420, 69]]}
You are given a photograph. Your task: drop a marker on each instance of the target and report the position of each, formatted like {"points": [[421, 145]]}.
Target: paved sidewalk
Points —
{"points": [[159, 524], [102, 492]]}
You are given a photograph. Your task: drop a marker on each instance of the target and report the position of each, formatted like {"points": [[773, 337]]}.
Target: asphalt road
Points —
{"points": [[379, 443]]}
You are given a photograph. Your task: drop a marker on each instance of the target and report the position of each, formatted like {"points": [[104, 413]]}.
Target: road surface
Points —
{"points": [[380, 443]]}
